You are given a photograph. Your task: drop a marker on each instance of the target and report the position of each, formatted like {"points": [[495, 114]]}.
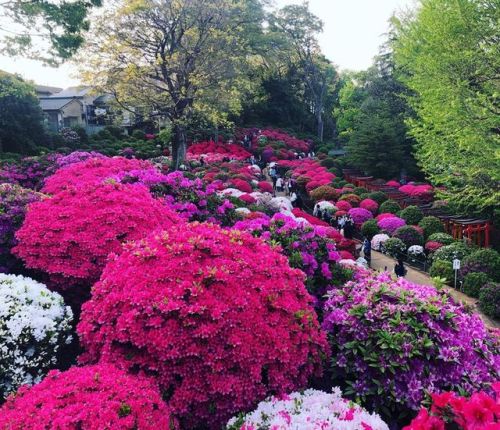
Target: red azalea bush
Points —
{"points": [[247, 198], [87, 398], [241, 185], [353, 199], [91, 171], [216, 316], [344, 206], [70, 235], [299, 213], [265, 187], [479, 412], [370, 205], [432, 246], [232, 151]]}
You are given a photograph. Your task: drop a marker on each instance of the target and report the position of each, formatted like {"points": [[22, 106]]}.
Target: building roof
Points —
{"points": [[47, 89], [72, 92], [55, 104]]}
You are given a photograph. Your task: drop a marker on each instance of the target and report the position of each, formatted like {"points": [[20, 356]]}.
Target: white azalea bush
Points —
{"points": [[378, 240], [416, 253], [311, 410], [34, 324]]}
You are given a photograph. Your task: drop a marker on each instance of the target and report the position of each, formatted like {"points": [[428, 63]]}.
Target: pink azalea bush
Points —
{"points": [[432, 246], [87, 398], [231, 151], [311, 410], [265, 187], [216, 316], [360, 215], [70, 235], [448, 410], [394, 341], [91, 171], [344, 206], [391, 224], [370, 205], [393, 183]]}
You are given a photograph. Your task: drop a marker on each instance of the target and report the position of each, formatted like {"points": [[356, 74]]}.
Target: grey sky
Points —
{"points": [[353, 31]]}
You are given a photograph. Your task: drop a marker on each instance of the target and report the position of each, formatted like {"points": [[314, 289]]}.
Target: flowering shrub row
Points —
{"points": [[212, 151]]}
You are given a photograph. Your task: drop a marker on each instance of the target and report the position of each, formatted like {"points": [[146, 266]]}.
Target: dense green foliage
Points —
{"points": [[431, 225], [411, 214], [21, 118], [449, 55], [489, 299], [442, 269], [474, 282], [390, 206]]}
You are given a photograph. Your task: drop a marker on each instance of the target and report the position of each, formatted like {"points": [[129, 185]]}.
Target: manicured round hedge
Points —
{"points": [[409, 236], [450, 252], [395, 248], [70, 235], [442, 269], [411, 214], [473, 282], [370, 229], [88, 398], [483, 260], [393, 341], [216, 316], [370, 205], [352, 199], [489, 299], [390, 206], [325, 192], [379, 196], [431, 225], [443, 238]]}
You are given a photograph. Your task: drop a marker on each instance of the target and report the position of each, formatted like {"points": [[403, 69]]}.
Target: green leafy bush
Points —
{"points": [[411, 214], [431, 225], [443, 238], [395, 247], [449, 252], [409, 236], [489, 300], [328, 163], [360, 190], [442, 269], [378, 196], [139, 135], [473, 282], [370, 228], [389, 206], [483, 260]]}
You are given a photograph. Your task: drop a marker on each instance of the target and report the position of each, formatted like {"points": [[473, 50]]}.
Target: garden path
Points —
{"points": [[382, 262]]}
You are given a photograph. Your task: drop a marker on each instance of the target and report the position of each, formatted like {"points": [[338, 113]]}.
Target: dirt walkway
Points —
{"points": [[381, 262]]}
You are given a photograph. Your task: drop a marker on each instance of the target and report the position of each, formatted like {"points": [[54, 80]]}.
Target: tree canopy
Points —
{"points": [[449, 54]]}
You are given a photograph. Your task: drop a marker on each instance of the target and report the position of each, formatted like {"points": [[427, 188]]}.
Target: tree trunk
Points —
{"points": [[178, 146], [319, 120]]}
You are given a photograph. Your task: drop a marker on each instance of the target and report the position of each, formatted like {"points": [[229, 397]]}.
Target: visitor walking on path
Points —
{"points": [[367, 251], [399, 269]]}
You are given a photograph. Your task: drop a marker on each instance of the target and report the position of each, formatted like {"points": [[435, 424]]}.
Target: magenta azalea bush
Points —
{"points": [[14, 201], [88, 398], [308, 248], [30, 172], [391, 224], [360, 215], [393, 342], [216, 316], [70, 235]]}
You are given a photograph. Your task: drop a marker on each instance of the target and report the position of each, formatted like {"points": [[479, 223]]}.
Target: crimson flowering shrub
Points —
{"points": [[309, 173], [370, 205], [299, 213], [216, 316], [307, 247], [344, 206], [241, 185], [481, 411], [87, 398], [265, 187], [394, 341], [14, 201], [235, 152], [70, 235], [432, 246], [353, 199], [91, 171]]}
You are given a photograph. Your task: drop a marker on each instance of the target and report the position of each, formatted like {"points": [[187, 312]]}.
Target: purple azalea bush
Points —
{"points": [[307, 247], [30, 172], [13, 205], [390, 225], [393, 342], [360, 215]]}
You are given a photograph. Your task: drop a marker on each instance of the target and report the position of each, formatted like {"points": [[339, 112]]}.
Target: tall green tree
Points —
{"points": [[21, 119], [300, 28], [173, 57], [42, 29], [449, 52], [371, 121]]}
